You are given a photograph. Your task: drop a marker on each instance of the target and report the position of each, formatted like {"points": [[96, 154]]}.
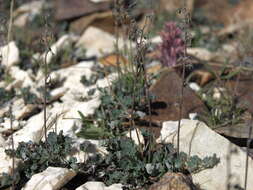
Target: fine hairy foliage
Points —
{"points": [[37, 157], [117, 103], [126, 164]]}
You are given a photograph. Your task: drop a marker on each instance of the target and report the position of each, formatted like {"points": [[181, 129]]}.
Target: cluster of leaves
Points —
{"points": [[125, 96], [37, 157], [126, 164], [121, 101]]}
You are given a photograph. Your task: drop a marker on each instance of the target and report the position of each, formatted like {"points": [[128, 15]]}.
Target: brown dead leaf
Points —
{"points": [[202, 77], [111, 60]]}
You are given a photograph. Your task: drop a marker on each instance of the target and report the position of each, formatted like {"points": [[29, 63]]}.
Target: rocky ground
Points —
{"points": [[73, 49]]}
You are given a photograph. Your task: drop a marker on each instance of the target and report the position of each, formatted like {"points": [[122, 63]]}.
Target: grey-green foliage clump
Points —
{"points": [[125, 96], [126, 164], [37, 157]]}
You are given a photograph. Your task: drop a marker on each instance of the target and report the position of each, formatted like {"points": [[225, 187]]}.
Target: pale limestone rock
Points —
{"points": [[58, 93], [72, 77], [19, 109], [52, 178], [194, 86], [6, 126], [21, 77], [198, 139], [193, 116], [218, 93], [21, 20], [10, 54], [95, 185], [6, 162], [156, 40], [27, 11], [62, 43], [2, 142], [174, 181], [32, 131], [99, 1], [66, 117], [70, 122], [33, 8], [138, 139], [201, 53], [98, 42]]}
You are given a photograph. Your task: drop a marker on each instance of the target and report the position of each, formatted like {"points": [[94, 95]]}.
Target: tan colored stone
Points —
{"points": [[174, 181]]}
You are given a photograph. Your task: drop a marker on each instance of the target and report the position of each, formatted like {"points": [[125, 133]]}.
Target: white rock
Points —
{"points": [[32, 131], [2, 142], [64, 42], [193, 116], [201, 53], [198, 139], [19, 109], [194, 86], [99, 1], [70, 123], [6, 126], [26, 11], [136, 136], [52, 178], [95, 185], [6, 162], [218, 92], [66, 117], [21, 77], [33, 7], [72, 80], [156, 40], [10, 54], [57, 93], [98, 42]]}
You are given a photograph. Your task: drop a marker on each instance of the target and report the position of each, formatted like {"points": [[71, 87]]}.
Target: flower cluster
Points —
{"points": [[172, 46]]}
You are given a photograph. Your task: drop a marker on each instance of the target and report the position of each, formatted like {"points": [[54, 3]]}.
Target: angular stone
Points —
{"points": [[98, 42], [167, 91], [52, 178], [10, 54], [95, 185], [136, 136], [66, 9], [174, 181], [62, 43], [6, 162], [26, 11], [198, 139]]}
